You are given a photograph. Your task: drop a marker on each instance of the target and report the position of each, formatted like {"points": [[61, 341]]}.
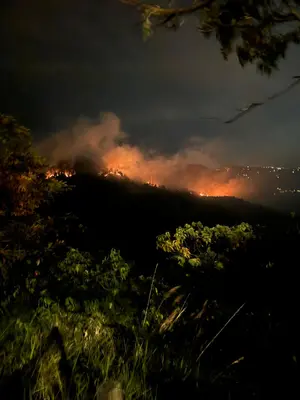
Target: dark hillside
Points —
{"points": [[127, 215]]}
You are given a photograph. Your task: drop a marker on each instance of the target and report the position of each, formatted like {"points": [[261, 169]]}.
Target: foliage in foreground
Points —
{"points": [[65, 344], [80, 326], [23, 187], [258, 31], [197, 244]]}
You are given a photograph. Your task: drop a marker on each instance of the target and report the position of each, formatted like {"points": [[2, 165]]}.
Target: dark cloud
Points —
{"points": [[62, 59]]}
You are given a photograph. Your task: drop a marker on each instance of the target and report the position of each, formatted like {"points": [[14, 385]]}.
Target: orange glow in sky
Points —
{"points": [[190, 168]]}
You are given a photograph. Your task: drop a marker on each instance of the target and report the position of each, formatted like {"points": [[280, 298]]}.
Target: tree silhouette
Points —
{"points": [[24, 191], [258, 31], [23, 183]]}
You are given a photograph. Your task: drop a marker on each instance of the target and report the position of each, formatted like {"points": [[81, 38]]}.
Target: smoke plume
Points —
{"points": [[107, 147]]}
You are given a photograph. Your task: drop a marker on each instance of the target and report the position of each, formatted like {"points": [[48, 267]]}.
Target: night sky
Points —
{"points": [[61, 59]]}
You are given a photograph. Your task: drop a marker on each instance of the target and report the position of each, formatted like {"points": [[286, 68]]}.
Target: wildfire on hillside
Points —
{"points": [[208, 184], [204, 185], [102, 148], [212, 183]]}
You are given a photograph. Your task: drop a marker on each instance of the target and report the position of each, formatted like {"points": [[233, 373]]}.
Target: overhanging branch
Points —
{"points": [[169, 13], [158, 11]]}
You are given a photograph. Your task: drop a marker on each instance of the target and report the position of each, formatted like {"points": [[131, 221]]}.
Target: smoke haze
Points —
{"points": [[105, 145]]}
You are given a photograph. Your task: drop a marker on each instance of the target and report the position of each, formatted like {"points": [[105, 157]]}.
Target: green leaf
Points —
{"points": [[195, 262], [147, 29], [219, 265]]}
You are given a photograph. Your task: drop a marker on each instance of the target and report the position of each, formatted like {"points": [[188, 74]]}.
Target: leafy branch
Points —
{"points": [[257, 31]]}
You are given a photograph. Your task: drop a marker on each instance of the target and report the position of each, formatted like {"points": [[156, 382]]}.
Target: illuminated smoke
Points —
{"points": [[106, 147]]}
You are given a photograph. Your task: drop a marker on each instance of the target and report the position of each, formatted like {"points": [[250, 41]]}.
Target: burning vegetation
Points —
{"points": [[56, 172], [103, 148], [62, 168], [203, 186]]}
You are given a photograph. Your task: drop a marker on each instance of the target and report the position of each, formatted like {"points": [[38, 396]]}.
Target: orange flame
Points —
{"points": [[211, 184], [101, 143], [55, 172]]}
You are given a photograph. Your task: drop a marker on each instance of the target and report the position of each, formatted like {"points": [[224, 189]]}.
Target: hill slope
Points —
{"points": [[124, 214]]}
